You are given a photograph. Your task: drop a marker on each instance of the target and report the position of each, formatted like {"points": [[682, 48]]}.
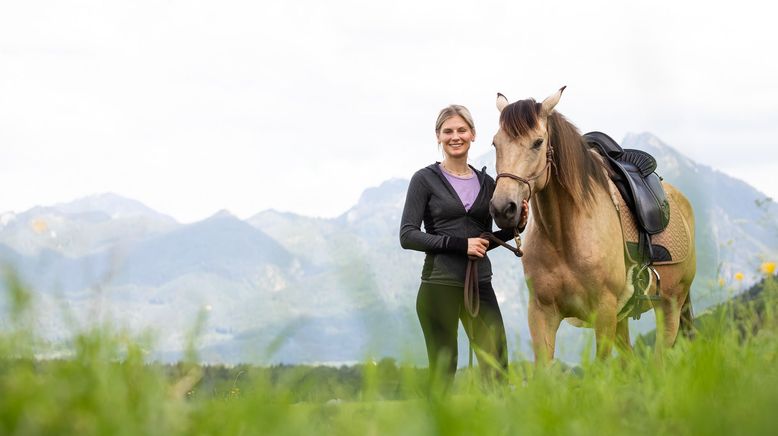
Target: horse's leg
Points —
{"points": [[605, 327], [671, 312], [544, 322], [622, 336], [686, 322]]}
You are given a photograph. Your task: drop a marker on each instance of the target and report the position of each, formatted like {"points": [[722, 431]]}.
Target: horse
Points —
{"points": [[575, 260]]}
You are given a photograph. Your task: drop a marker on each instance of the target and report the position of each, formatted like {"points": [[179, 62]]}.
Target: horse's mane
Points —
{"points": [[575, 166]]}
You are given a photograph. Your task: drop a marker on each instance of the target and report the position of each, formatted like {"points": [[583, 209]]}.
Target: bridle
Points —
{"points": [[549, 162]]}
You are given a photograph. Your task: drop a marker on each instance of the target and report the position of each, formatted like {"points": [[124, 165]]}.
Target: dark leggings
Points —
{"points": [[440, 307]]}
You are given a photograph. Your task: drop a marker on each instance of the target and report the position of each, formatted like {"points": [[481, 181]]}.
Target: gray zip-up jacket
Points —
{"points": [[447, 225]]}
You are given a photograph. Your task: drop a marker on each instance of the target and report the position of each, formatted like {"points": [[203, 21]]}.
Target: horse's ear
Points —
{"points": [[550, 102], [501, 102]]}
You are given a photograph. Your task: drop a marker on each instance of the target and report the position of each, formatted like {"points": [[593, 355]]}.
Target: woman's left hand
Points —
{"points": [[524, 216], [477, 247]]}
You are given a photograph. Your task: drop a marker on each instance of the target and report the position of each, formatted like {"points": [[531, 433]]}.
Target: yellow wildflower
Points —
{"points": [[721, 281], [739, 276], [768, 268]]}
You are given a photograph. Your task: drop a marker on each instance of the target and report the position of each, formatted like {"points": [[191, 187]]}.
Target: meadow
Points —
{"points": [[724, 381]]}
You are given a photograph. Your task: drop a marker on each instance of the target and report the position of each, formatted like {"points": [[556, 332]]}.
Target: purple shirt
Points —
{"points": [[467, 187]]}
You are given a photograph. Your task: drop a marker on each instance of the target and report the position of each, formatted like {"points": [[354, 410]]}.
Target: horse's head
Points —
{"points": [[523, 156]]}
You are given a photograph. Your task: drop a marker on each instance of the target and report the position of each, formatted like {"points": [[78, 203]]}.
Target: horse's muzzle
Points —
{"points": [[505, 212]]}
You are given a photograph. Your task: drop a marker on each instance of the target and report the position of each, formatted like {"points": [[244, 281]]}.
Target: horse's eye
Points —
{"points": [[536, 145]]}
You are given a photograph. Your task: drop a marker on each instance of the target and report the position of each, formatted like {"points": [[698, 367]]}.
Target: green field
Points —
{"points": [[725, 381]]}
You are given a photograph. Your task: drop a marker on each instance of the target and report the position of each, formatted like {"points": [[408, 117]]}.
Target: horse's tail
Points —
{"points": [[687, 318]]}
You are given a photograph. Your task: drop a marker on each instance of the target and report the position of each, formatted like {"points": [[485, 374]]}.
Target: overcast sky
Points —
{"points": [[192, 107]]}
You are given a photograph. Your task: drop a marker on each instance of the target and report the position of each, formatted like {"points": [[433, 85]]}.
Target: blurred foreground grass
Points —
{"points": [[725, 381]]}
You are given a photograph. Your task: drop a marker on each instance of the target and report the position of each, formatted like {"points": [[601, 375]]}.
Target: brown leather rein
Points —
{"points": [[472, 293]]}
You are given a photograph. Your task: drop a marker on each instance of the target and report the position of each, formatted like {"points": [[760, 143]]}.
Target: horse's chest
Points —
{"points": [[564, 286]]}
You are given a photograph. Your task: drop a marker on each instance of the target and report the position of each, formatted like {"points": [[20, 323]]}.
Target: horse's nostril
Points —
{"points": [[510, 209]]}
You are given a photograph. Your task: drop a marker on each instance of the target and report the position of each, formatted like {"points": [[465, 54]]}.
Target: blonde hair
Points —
{"points": [[452, 111]]}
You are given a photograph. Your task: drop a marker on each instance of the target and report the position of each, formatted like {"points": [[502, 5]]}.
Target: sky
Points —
{"points": [[192, 107]]}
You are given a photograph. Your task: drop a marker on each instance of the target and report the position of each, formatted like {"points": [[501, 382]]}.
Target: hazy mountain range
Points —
{"points": [[281, 287]]}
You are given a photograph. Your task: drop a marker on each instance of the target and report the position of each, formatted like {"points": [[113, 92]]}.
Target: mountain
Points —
{"points": [[110, 204], [282, 287], [84, 226], [306, 237], [222, 245]]}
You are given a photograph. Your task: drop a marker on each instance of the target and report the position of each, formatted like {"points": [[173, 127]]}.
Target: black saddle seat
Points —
{"points": [[635, 177]]}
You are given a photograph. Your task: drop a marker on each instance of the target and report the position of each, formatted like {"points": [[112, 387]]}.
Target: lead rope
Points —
{"points": [[472, 292], [472, 301]]}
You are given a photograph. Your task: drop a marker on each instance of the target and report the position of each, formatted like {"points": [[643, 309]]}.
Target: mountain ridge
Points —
{"points": [[343, 281]]}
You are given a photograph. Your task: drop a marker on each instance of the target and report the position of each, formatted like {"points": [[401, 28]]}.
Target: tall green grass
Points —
{"points": [[725, 381]]}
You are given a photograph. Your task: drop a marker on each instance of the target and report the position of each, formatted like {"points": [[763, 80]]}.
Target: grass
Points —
{"points": [[725, 381]]}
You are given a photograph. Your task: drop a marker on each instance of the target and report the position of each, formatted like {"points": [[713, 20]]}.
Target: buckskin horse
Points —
{"points": [[576, 259]]}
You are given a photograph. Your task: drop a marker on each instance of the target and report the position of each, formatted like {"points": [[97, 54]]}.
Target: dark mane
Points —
{"points": [[519, 118], [578, 171]]}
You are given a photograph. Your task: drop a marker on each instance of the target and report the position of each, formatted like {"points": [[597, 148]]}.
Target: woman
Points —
{"points": [[452, 199]]}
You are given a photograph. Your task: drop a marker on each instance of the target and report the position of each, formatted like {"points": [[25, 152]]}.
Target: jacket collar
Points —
{"points": [[435, 167], [480, 174]]}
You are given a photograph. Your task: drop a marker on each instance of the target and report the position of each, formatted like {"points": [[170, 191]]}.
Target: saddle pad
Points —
{"points": [[676, 238]]}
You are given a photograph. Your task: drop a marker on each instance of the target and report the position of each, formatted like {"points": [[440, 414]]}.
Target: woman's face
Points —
{"points": [[455, 137]]}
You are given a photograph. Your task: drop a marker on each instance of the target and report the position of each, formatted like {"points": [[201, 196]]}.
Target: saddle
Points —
{"points": [[633, 173]]}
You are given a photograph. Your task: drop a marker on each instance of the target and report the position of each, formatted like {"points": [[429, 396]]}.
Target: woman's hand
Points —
{"points": [[524, 216], [477, 247]]}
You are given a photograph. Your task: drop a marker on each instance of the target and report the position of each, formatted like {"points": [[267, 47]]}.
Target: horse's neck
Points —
{"points": [[556, 214]]}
